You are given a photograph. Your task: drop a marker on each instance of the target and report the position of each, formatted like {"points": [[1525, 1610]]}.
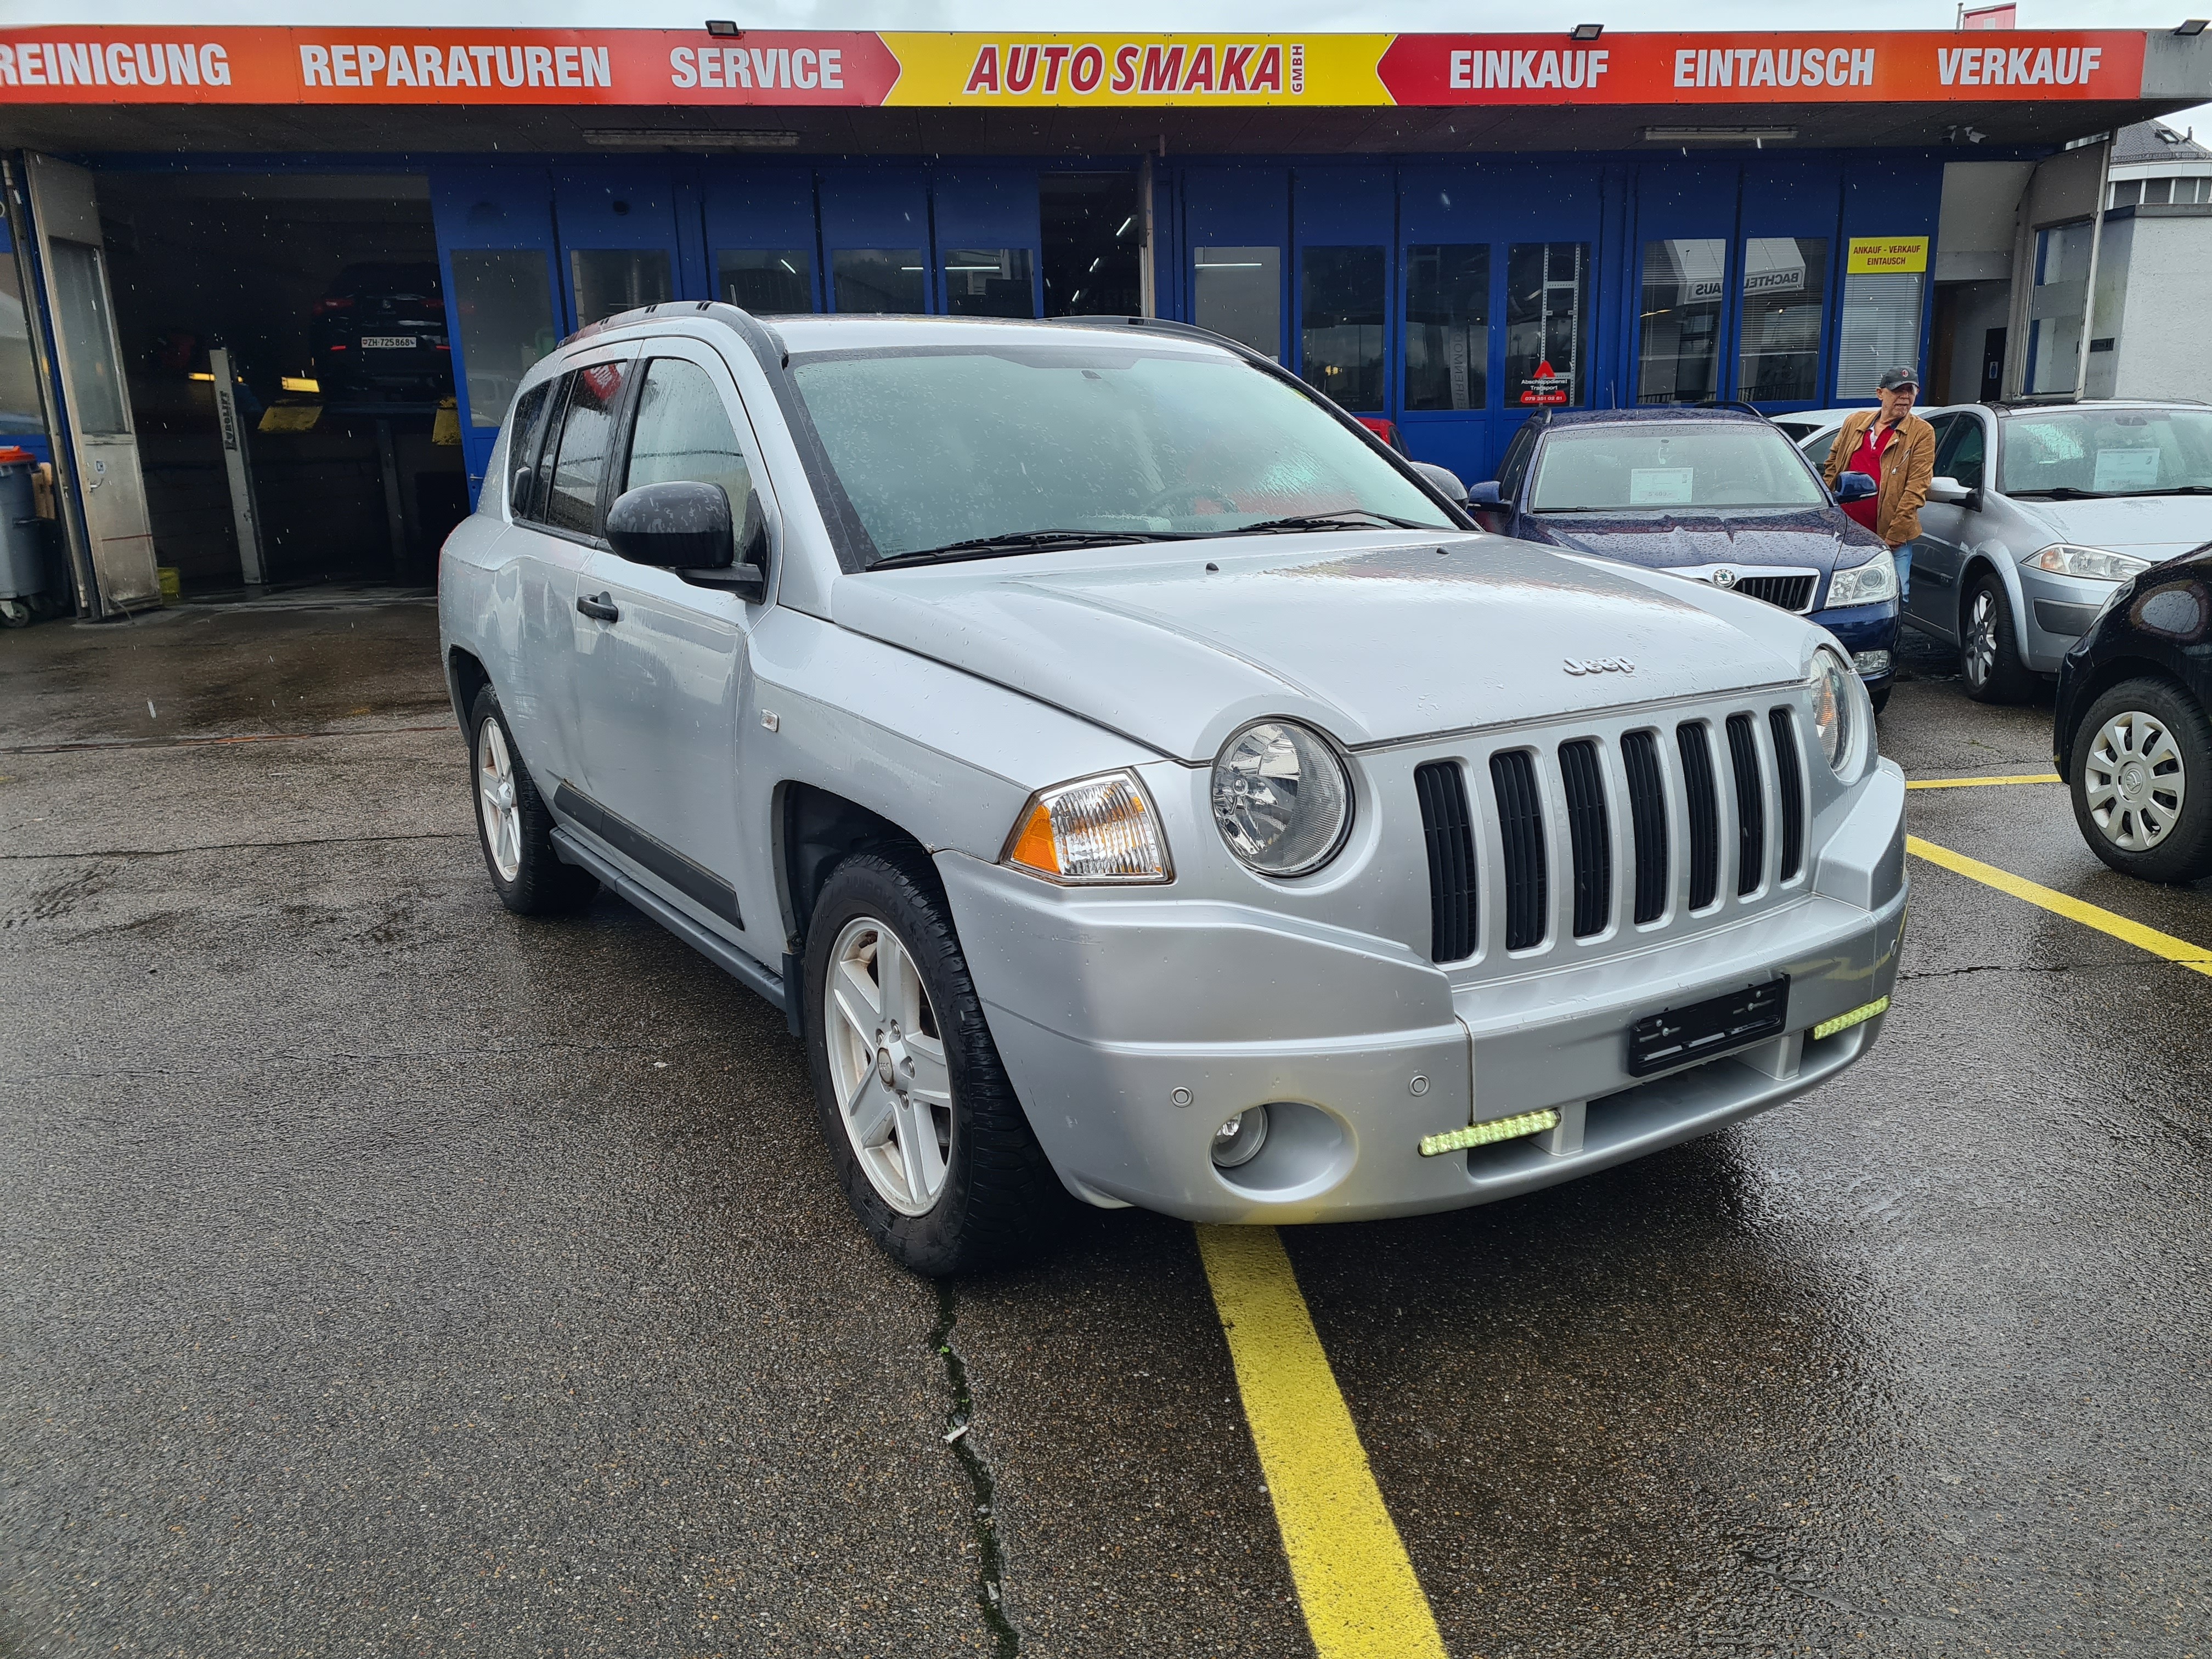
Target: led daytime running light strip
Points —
{"points": [[1481, 1134], [1828, 1028]]}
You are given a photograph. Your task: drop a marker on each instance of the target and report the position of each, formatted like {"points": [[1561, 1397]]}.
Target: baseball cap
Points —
{"points": [[1892, 379]]}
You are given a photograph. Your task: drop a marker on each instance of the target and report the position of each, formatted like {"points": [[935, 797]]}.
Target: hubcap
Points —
{"points": [[2133, 781], [887, 1067], [1982, 638], [495, 803]]}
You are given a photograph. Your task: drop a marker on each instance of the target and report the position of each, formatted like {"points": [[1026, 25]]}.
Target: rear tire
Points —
{"points": [[515, 830], [934, 1151], [2142, 789], [1989, 645]]}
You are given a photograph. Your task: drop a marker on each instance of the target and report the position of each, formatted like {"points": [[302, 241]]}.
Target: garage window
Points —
{"points": [[506, 305], [767, 281], [1679, 327], [878, 280], [1448, 327], [1784, 285], [613, 280], [1546, 309], [989, 282], [1239, 293]]}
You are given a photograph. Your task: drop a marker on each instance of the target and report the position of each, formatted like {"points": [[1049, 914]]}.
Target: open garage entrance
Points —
{"points": [[323, 291]]}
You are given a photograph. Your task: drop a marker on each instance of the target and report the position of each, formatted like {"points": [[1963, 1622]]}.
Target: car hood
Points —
{"points": [[1177, 646], [1810, 540], [2153, 527]]}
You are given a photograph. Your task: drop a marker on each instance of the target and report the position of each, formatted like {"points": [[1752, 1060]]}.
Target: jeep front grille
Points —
{"points": [[1645, 833]]}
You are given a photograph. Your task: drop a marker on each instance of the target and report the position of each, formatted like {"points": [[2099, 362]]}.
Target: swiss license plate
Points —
{"points": [[387, 342], [1677, 1036]]}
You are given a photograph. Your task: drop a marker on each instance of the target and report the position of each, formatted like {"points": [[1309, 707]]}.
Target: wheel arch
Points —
{"points": [[465, 676], [815, 828], [2008, 579]]}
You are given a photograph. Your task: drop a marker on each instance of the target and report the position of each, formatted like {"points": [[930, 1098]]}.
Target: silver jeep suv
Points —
{"points": [[1135, 781]]}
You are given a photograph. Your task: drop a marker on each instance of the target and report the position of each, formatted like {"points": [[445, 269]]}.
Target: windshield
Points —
{"points": [[1720, 463], [2084, 450], [941, 446]]}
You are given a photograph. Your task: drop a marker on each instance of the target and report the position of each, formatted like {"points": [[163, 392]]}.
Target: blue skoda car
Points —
{"points": [[1717, 496]]}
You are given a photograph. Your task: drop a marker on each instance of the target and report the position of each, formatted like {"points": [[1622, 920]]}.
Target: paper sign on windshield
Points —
{"points": [[2126, 469], [1660, 486]]}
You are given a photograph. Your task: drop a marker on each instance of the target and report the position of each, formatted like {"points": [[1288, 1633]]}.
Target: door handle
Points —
{"points": [[602, 608]]}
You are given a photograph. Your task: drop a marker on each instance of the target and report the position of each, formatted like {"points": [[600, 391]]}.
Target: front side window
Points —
{"points": [[1342, 297], [942, 446], [1239, 291], [1546, 324], [1679, 327], [766, 281], [1961, 451], [572, 499], [880, 281], [1784, 287], [989, 282], [1664, 467], [1448, 327], [2109, 450], [684, 434]]}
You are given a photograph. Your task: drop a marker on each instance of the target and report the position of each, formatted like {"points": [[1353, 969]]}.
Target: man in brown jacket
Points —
{"points": [[1897, 449]]}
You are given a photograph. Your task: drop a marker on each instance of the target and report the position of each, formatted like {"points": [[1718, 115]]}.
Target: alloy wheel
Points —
{"points": [[496, 800], [2133, 781], [1981, 653], [887, 1066]]}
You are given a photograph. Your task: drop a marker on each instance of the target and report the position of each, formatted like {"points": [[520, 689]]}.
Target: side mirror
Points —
{"points": [[518, 493], [1855, 487], [1485, 494], [1949, 491], [1445, 480], [684, 526]]}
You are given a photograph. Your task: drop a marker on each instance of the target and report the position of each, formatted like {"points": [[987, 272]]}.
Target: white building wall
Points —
{"points": [[2162, 347]]}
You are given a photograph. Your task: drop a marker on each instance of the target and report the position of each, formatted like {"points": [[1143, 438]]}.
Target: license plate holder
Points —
{"points": [[388, 342], [1718, 1025]]}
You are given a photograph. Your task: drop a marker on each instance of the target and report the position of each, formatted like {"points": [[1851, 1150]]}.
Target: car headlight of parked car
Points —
{"points": [[1837, 700], [1867, 584], [1093, 830], [2095, 564], [1281, 798]]}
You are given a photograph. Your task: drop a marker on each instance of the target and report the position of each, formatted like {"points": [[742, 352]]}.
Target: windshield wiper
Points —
{"points": [[2059, 493], [1327, 521], [2171, 490], [1027, 541]]}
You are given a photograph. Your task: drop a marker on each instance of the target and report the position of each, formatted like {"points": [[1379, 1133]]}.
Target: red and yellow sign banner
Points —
{"points": [[125, 64]]}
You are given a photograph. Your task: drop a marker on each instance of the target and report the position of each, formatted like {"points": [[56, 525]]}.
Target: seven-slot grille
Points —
{"points": [[1691, 853], [1791, 592]]}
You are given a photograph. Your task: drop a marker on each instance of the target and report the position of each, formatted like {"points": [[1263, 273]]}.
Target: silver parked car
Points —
{"points": [[2036, 511], [1135, 781]]}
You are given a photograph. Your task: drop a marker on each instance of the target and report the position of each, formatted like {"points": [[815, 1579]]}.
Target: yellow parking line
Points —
{"points": [[1976, 783], [1354, 1581], [2194, 956]]}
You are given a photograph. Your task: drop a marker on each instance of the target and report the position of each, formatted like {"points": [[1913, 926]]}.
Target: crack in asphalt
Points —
{"points": [[237, 846], [991, 1560], [2014, 967], [78, 745]]}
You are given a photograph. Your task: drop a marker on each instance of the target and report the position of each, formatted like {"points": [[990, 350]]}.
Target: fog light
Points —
{"points": [[1238, 1141], [1870, 663], [1859, 1015]]}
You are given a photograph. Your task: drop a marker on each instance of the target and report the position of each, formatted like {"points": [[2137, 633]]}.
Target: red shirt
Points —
{"points": [[1867, 458]]}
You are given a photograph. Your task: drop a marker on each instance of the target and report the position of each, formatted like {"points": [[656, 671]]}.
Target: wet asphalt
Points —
{"points": [[381, 1273]]}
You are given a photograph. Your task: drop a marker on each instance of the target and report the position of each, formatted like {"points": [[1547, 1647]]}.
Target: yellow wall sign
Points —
{"points": [[1869, 255], [957, 69]]}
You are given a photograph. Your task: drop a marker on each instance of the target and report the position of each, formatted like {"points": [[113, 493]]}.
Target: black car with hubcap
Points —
{"points": [[2130, 738]]}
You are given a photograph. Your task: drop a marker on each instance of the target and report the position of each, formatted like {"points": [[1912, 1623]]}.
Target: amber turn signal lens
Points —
{"points": [[1094, 829]]}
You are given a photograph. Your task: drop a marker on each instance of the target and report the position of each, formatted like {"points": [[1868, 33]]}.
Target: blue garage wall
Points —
{"points": [[685, 209]]}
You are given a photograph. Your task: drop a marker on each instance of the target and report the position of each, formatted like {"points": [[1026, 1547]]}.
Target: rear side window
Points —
{"points": [[580, 462], [519, 453], [684, 434]]}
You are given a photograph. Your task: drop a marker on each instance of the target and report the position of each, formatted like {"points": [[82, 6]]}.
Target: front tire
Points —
{"points": [[934, 1151], [2142, 782], [1989, 645], [513, 828]]}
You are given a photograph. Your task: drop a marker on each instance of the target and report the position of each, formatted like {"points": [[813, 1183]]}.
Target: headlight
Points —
{"points": [[2095, 564], [1094, 829], [1834, 702], [1281, 798], [1867, 584]]}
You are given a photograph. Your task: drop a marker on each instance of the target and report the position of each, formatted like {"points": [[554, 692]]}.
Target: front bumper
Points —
{"points": [[1860, 627], [2056, 612], [1110, 1011]]}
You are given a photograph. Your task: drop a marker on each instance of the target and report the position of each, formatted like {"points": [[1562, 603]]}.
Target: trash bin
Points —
{"points": [[30, 573]]}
